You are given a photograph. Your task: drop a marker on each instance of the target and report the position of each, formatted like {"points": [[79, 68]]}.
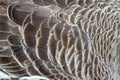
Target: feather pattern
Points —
{"points": [[61, 39]]}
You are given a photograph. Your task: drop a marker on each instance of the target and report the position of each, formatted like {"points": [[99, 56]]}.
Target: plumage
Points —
{"points": [[61, 39]]}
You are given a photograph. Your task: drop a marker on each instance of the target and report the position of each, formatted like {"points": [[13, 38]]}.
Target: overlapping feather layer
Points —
{"points": [[61, 39]]}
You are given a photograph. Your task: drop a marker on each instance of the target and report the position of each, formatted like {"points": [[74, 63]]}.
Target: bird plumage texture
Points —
{"points": [[61, 39]]}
